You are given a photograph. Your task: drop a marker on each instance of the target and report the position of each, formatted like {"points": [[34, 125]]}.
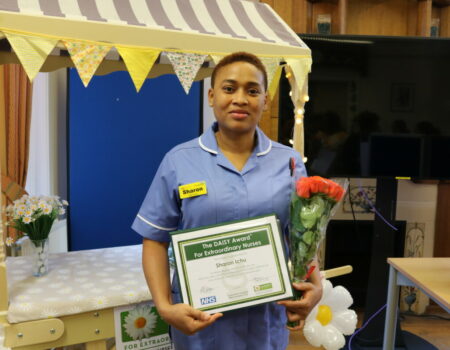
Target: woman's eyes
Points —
{"points": [[253, 91], [228, 89], [231, 89]]}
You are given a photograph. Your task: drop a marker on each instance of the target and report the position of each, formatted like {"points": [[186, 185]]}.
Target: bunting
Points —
{"points": [[216, 58], [86, 58], [273, 85], [186, 66], [31, 51], [139, 62], [271, 65]]}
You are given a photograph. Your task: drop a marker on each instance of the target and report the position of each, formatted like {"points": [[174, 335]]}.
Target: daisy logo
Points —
{"points": [[142, 322]]}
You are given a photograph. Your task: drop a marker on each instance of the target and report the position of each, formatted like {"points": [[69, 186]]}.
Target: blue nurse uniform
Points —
{"points": [[263, 186]]}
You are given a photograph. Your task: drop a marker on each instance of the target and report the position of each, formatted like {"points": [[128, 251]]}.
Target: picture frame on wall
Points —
{"points": [[402, 97]]}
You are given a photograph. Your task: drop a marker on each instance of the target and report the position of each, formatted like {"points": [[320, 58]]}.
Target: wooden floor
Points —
{"points": [[435, 331]]}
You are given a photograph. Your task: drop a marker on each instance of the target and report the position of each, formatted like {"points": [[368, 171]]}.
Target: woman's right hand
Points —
{"points": [[187, 319]]}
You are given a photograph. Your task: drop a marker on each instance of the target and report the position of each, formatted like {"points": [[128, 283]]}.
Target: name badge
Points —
{"points": [[192, 190]]}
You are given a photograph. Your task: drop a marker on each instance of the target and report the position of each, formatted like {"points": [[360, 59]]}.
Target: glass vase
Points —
{"points": [[40, 257]]}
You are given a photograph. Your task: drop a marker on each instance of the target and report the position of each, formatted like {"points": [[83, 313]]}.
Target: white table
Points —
{"points": [[431, 275], [74, 303]]}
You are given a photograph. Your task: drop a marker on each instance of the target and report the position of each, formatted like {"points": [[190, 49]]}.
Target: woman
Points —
{"points": [[246, 175]]}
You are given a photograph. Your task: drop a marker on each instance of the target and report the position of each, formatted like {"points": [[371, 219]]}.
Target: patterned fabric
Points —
{"points": [[32, 51], [86, 58], [77, 282], [186, 66]]}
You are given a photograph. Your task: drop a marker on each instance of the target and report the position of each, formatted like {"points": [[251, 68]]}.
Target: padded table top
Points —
{"points": [[77, 282]]}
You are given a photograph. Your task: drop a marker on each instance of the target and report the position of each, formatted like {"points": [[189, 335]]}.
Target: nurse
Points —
{"points": [[246, 175]]}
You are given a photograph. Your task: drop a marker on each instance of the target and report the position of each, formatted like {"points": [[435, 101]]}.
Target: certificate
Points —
{"points": [[232, 265]]}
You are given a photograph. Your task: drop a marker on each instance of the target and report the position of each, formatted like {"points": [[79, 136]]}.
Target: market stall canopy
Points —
{"points": [[184, 37]]}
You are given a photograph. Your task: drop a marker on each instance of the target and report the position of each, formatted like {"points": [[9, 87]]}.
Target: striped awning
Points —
{"points": [[45, 35], [217, 26]]}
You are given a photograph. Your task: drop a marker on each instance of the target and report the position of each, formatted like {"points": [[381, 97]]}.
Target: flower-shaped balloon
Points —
{"points": [[331, 319]]}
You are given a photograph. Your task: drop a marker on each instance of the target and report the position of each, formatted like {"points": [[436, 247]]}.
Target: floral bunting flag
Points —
{"points": [[139, 62], [86, 58], [31, 51], [186, 66]]}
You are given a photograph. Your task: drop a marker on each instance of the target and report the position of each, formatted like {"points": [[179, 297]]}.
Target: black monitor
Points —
{"points": [[379, 107]]}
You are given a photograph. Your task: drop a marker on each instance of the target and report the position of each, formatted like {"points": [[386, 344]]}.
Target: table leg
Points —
{"points": [[96, 345], [391, 311]]}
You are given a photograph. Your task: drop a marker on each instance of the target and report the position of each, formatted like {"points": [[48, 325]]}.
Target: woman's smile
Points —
{"points": [[238, 98], [239, 114]]}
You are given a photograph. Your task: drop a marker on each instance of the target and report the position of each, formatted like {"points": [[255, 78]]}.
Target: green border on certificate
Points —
{"points": [[232, 265]]}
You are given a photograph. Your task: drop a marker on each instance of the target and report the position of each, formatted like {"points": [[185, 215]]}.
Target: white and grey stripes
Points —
{"points": [[224, 18]]}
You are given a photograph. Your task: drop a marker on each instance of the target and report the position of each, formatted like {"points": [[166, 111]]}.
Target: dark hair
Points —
{"points": [[240, 57]]}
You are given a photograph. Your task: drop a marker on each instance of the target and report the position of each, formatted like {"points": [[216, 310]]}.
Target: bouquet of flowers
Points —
{"points": [[312, 205], [34, 216]]}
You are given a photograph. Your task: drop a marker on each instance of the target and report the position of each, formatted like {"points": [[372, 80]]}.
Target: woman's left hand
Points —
{"points": [[298, 310]]}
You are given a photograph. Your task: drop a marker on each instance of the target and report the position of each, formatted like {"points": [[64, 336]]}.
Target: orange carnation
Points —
{"points": [[306, 186]]}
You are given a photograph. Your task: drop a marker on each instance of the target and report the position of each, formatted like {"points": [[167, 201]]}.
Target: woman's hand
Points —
{"points": [[187, 319], [298, 310]]}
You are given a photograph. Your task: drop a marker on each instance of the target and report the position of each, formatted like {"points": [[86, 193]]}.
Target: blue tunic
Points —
{"points": [[263, 186]]}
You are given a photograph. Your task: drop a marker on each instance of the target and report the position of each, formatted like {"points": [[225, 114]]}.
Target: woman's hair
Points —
{"points": [[240, 57]]}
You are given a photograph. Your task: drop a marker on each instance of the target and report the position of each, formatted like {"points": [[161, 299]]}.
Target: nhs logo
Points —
{"points": [[207, 300]]}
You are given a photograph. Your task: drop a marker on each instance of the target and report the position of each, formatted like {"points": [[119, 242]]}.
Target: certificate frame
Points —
{"points": [[232, 265]]}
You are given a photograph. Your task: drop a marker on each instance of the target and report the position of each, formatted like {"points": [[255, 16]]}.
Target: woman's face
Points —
{"points": [[238, 97]]}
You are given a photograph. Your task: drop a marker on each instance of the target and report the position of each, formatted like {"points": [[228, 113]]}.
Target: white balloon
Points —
{"points": [[332, 339], [340, 299], [345, 321], [312, 314], [313, 333], [327, 288]]}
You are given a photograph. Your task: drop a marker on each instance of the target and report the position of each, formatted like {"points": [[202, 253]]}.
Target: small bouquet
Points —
{"points": [[312, 205], [34, 216]]}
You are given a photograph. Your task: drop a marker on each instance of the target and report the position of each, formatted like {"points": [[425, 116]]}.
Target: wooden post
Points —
{"points": [[424, 17], [342, 16]]}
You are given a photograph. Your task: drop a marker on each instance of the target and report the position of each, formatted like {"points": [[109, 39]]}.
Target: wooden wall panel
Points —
{"points": [[442, 227], [323, 8], [412, 17], [375, 17], [424, 17], [444, 29], [285, 9], [302, 16]]}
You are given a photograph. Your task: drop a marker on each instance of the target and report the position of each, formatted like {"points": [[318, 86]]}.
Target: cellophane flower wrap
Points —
{"points": [[313, 203]]}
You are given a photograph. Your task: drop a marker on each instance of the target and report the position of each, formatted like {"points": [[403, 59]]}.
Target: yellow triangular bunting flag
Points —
{"points": [[271, 65], [216, 58], [31, 51], [186, 66], [273, 85], [86, 58], [139, 62]]}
